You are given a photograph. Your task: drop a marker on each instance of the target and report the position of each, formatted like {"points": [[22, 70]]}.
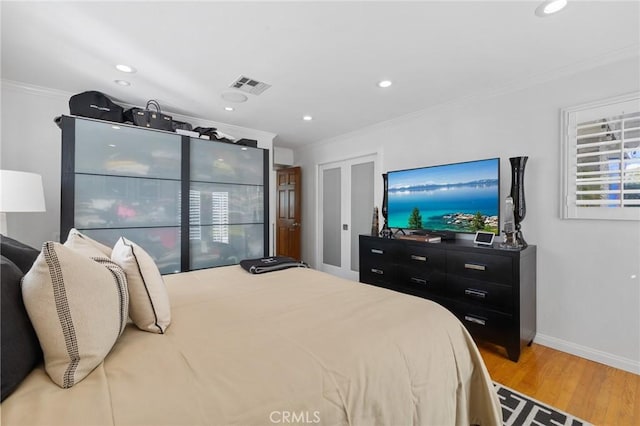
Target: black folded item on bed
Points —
{"points": [[269, 264]]}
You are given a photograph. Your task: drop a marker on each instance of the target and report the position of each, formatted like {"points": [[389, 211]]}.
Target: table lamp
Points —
{"points": [[19, 192]]}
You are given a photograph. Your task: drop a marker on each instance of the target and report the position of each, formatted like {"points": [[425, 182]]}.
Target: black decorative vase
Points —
{"points": [[517, 193], [386, 231]]}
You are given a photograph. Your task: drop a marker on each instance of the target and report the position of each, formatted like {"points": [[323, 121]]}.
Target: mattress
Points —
{"points": [[293, 346]]}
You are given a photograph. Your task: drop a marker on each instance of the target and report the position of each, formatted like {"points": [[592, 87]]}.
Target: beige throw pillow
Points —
{"points": [[148, 299], [78, 307], [88, 246]]}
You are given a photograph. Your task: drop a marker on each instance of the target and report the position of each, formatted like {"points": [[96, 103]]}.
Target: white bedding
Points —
{"points": [[293, 346]]}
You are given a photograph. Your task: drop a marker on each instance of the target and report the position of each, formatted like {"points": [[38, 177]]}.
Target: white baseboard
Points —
{"points": [[589, 353]]}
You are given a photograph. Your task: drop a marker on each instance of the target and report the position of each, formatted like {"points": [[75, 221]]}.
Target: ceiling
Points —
{"points": [[321, 58]]}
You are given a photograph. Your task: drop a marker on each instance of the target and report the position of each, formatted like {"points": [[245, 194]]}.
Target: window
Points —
{"points": [[601, 160]]}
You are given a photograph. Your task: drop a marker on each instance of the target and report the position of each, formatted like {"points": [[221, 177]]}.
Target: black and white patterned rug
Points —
{"points": [[521, 410]]}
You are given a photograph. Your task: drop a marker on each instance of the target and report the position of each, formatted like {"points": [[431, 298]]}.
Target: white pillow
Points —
{"points": [[90, 247], [78, 308], [149, 306]]}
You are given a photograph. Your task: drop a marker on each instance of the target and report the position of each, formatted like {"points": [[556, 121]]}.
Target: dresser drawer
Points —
{"points": [[431, 280], [481, 293], [483, 323], [423, 257], [479, 266], [376, 272], [421, 290], [376, 249]]}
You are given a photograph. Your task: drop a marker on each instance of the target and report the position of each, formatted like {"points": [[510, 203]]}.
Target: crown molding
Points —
{"points": [[622, 54], [611, 57], [33, 89]]}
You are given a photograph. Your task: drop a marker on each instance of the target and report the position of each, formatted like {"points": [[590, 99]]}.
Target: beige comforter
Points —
{"points": [[294, 346]]}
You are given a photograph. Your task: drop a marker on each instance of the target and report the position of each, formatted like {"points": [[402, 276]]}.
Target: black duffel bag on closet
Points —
{"points": [[95, 104], [148, 118], [182, 125]]}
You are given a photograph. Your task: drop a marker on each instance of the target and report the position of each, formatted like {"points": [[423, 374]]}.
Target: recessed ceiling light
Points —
{"points": [[115, 127], [228, 108], [550, 7], [244, 148], [307, 118], [125, 68], [220, 159], [234, 97], [112, 145], [385, 83], [122, 82]]}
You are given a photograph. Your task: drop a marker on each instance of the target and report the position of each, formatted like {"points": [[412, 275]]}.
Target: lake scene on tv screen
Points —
{"points": [[462, 197]]}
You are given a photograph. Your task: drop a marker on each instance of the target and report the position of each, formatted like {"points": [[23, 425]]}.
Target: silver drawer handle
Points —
{"points": [[377, 271], [475, 293], [474, 320], [420, 258], [377, 251], [418, 280], [475, 266]]}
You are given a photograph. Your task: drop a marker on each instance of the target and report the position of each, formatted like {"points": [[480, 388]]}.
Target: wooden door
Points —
{"points": [[288, 213]]}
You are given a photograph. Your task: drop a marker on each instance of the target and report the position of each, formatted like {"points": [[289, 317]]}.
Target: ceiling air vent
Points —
{"points": [[249, 85]]}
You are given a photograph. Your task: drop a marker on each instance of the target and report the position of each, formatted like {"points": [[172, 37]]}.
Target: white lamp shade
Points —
{"points": [[21, 192]]}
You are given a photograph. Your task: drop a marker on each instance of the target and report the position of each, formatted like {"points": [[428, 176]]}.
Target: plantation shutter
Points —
{"points": [[601, 147], [195, 229]]}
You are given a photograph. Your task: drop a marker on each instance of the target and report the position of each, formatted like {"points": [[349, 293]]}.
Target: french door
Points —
{"points": [[346, 200]]}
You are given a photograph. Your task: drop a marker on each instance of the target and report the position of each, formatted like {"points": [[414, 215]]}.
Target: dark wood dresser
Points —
{"points": [[491, 290]]}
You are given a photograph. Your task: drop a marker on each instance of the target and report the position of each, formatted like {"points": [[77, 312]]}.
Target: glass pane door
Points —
{"points": [[362, 176], [347, 201], [226, 204], [127, 183], [331, 217], [119, 150]]}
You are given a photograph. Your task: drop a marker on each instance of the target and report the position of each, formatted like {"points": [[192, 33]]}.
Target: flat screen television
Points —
{"points": [[460, 197]]}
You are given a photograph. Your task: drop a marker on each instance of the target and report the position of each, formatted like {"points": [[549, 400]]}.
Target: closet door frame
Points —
{"points": [[345, 269]]}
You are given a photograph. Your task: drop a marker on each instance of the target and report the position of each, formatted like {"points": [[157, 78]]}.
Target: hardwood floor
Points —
{"points": [[595, 392]]}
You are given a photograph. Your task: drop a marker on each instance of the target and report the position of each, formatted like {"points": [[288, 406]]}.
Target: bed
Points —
{"points": [[293, 346]]}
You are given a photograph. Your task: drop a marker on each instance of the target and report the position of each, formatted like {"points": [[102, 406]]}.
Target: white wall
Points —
{"points": [[31, 142], [588, 271]]}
